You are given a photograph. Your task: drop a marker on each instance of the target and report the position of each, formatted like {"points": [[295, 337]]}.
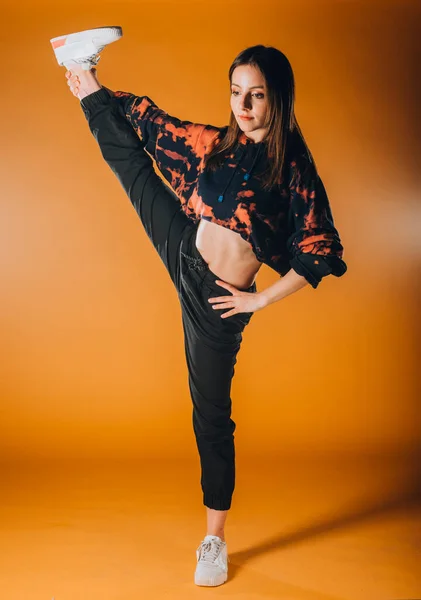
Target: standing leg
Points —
{"points": [[211, 369], [211, 348]]}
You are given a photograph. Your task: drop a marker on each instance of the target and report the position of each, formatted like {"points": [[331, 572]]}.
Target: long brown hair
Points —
{"points": [[283, 130]]}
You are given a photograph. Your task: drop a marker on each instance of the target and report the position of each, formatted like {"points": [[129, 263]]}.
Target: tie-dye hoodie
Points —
{"points": [[290, 226]]}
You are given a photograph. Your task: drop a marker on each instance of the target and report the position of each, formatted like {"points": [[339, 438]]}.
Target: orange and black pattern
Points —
{"points": [[290, 226]]}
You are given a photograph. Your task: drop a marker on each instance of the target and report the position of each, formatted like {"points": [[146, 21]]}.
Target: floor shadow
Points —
{"points": [[406, 498]]}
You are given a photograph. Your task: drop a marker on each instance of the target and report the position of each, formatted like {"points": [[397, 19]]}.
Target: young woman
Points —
{"points": [[239, 196]]}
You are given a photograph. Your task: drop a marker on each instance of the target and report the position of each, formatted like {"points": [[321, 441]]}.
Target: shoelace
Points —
{"points": [[209, 551]]}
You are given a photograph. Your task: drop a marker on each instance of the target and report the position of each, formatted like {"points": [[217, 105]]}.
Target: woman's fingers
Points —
{"points": [[73, 82], [71, 77], [74, 88]]}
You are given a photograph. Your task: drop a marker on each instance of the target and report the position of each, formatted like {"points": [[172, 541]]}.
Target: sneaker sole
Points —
{"points": [[84, 43], [211, 582]]}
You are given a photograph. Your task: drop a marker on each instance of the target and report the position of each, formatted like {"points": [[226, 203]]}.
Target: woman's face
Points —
{"points": [[249, 98]]}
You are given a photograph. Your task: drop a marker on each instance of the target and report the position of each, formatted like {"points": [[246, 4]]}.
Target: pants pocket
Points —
{"points": [[237, 321]]}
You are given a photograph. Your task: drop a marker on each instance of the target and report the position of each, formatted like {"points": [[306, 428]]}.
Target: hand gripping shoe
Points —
{"points": [[212, 562], [84, 47]]}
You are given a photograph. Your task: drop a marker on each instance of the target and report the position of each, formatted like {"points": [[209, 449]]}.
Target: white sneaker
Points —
{"points": [[84, 47], [212, 561]]}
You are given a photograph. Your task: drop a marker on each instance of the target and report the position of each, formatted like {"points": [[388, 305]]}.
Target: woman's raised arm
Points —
{"points": [[177, 146]]}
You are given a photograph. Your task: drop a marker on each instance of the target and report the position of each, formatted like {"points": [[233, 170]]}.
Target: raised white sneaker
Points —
{"points": [[84, 47], [212, 561]]}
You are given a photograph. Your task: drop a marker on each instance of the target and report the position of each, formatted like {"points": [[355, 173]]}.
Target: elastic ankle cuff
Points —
{"points": [[100, 97], [216, 501]]}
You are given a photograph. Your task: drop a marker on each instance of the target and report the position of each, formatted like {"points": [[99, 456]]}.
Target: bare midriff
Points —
{"points": [[227, 254]]}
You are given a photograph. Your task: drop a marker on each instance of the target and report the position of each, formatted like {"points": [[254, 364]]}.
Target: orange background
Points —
{"points": [[92, 359]]}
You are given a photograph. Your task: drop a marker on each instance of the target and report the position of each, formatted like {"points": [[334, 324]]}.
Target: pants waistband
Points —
{"points": [[197, 262], [192, 255]]}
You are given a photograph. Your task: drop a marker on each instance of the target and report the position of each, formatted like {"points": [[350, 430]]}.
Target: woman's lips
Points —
{"points": [[245, 118]]}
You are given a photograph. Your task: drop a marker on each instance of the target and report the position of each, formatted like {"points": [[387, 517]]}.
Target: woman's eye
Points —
{"points": [[258, 94]]}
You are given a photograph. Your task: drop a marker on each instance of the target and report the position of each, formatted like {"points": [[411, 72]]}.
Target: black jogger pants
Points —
{"points": [[211, 343]]}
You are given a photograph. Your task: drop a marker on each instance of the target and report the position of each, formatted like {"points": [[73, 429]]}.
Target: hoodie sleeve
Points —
{"points": [[314, 244], [177, 146]]}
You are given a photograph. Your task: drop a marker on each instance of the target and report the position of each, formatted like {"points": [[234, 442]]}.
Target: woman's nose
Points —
{"points": [[245, 104]]}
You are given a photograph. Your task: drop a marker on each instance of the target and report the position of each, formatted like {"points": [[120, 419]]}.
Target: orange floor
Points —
{"points": [[296, 531]]}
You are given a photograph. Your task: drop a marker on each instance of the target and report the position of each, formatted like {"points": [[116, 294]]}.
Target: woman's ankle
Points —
{"points": [[220, 534]]}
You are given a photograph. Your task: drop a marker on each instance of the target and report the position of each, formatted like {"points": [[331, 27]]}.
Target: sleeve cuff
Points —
{"points": [[302, 270], [305, 265]]}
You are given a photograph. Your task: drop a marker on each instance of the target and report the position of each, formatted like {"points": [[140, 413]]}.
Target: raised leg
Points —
{"points": [[156, 204]]}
